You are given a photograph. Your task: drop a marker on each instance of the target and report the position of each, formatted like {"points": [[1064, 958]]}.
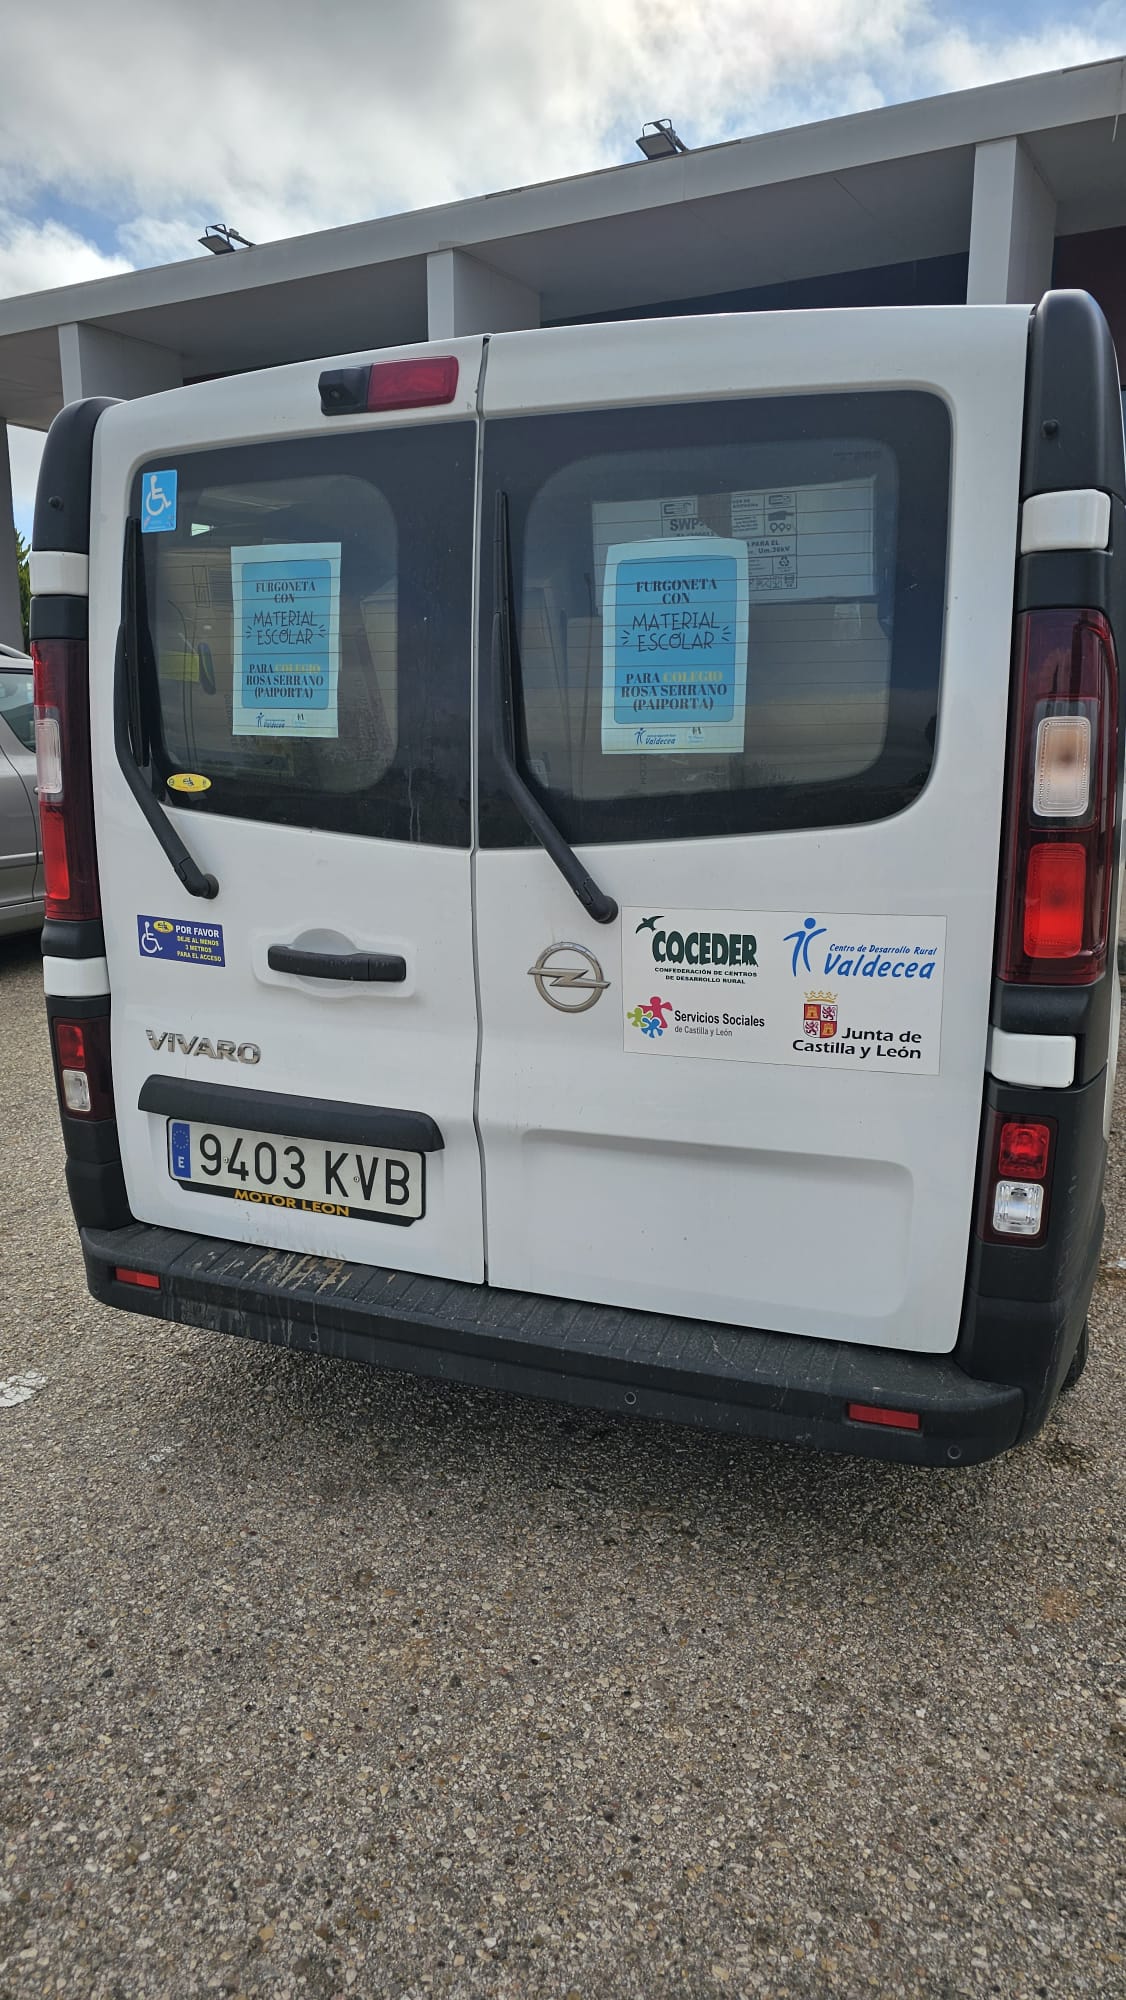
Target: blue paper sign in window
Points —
{"points": [[674, 664], [158, 502], [286, 612]]}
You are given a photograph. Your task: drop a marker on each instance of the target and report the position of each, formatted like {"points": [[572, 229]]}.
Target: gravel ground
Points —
{"points": [[318, 1682]]}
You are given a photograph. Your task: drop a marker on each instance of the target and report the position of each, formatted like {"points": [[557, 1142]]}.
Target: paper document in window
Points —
{"points": [[808, 541], [674, 637], [803, 542], [286, 621]]}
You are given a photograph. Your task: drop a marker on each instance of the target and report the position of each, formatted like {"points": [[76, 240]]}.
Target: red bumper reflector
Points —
{"points": [[896, 1420], [148, 1279]]}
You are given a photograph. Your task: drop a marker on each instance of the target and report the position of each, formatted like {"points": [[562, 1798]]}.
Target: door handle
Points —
{"points": [[385, 966]]}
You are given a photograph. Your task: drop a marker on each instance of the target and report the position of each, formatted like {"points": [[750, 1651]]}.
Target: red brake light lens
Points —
{"points": [[411, 385], [1023, 1150], [1055, 899], [70, 1041], [66, 804]]}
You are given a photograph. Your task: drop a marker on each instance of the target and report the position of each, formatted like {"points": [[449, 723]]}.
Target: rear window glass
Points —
{"points": [[729, 616], [306, 620], [16, 699]]}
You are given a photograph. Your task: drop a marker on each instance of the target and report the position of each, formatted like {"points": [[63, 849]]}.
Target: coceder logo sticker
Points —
{"points": [[746, 986]]}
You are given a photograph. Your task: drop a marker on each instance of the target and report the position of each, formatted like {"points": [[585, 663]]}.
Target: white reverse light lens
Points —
{"points": [[1018, 1207], [1062, 785], [76, 1090], [48, 757]]}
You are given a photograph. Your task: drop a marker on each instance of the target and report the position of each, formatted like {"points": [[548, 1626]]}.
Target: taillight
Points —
{"points": [[1023, 1147], [1059, 840], [1017, 1177], [62, 752], [82, 1066]]}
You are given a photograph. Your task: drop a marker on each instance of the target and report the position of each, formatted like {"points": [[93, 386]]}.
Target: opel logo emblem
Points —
{"points": [[569, 977]]}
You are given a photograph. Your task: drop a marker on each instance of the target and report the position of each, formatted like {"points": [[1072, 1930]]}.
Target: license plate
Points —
{"points": [[305, 1176]]}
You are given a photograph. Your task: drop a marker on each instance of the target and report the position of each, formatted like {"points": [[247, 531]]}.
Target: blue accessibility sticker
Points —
{"points": [[180, 1150], [179, 938], [158, 502]]}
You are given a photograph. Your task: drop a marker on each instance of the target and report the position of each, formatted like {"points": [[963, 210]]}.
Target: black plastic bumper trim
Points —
{"points": [[62, 497], [301, 1117], [59, 618], [759, 1384], [73, 937], [1026, 1304], [94, 1177], [97, 1194], [1073, 427]]}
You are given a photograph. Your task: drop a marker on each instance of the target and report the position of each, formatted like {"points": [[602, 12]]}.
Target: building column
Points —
{"points": [[96, 362], [11, 624], [465, 296], [1012, 227]]}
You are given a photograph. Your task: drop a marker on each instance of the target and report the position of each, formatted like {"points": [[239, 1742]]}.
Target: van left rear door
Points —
{"points": [[302, 1046]]}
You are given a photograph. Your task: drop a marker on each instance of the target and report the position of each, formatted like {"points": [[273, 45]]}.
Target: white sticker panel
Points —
{"points": [[772, 986]]}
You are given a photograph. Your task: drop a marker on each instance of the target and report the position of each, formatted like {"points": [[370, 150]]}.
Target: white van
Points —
{"points": [[586, 861]]}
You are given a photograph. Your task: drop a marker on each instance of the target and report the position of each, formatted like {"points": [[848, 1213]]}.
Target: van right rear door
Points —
{"points": [[762, 583]]}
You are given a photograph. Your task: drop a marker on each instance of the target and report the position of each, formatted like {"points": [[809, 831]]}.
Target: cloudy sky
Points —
{"points": [[127, 127]]}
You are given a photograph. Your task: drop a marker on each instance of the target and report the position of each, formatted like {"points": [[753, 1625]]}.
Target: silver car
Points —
{"points": [[21, 858]]}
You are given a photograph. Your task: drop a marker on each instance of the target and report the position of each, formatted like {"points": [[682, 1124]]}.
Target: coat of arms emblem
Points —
{"points": [[820, 1015]]}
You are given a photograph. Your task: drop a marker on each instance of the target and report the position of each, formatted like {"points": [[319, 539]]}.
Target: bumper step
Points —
{"points": [[760, 1384]]}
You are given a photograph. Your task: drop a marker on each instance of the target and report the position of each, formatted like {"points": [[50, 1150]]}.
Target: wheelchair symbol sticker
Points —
{"points": [[180, 939], [158, 502]]}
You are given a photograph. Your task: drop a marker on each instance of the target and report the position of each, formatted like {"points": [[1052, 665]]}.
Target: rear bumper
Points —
{"points": [[758, 1384]]}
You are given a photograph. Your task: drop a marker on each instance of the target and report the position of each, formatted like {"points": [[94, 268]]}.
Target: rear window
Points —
{"points": [[729, 615], [306, 621]]}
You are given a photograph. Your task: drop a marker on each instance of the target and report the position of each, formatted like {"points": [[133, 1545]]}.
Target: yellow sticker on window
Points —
{"points": [[188, 781], [178, 666]]}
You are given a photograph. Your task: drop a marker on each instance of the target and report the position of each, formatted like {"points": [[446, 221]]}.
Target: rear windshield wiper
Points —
{"points": [[594, 900], [132, 637]]}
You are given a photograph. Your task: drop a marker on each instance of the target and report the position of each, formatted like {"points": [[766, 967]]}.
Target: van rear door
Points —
{"points": [[294, 1060], [762, 590]]}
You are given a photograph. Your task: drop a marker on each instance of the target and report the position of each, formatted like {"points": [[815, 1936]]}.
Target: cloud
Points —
{"points": [[34, 256], [278, 120], [958, 61], [281, 120]]}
